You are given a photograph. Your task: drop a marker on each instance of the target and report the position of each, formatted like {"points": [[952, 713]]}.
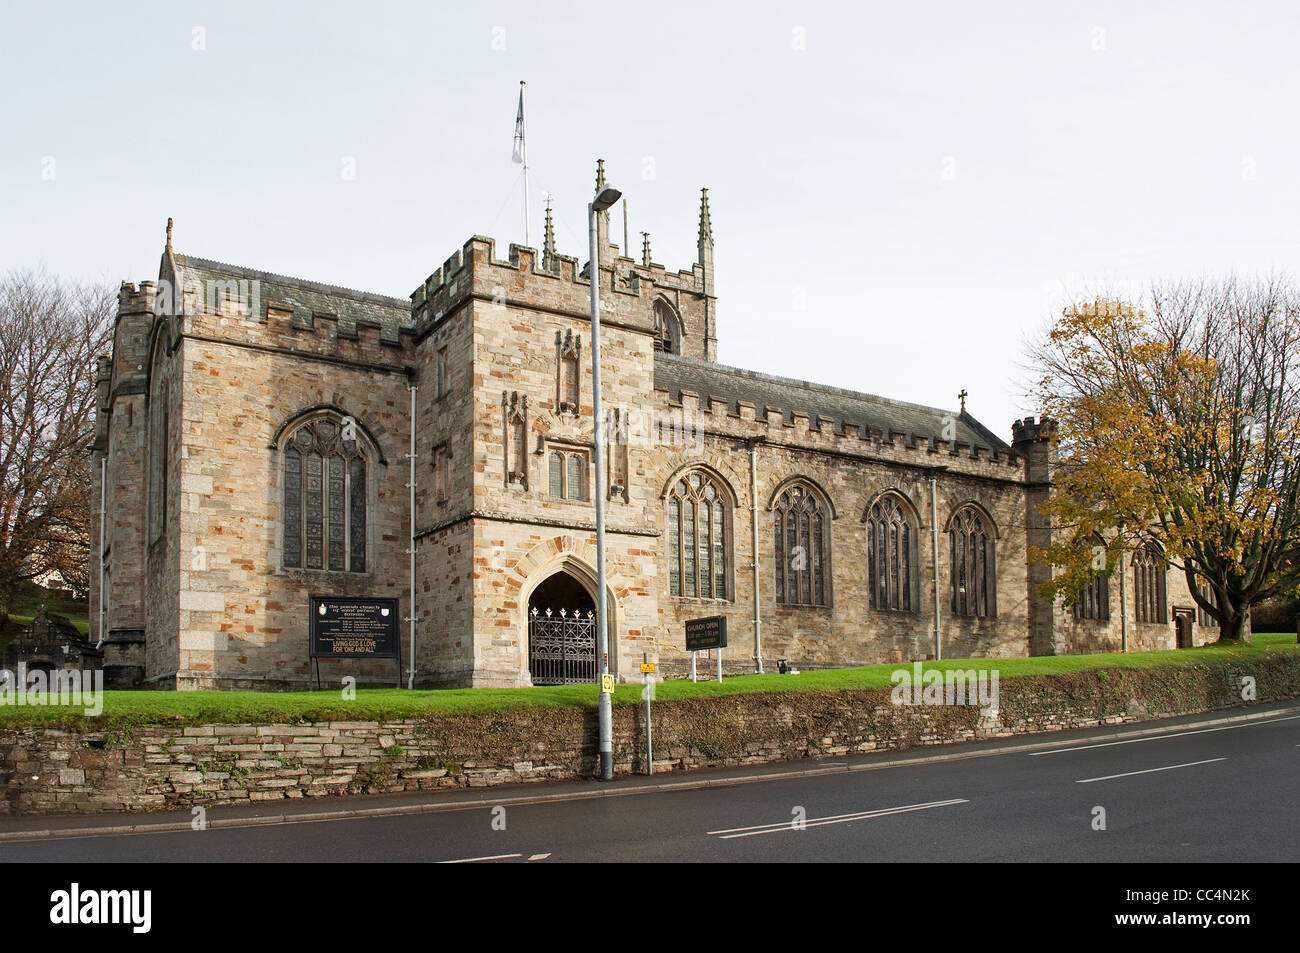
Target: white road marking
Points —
{"points": [[474, 860], [1178, 734], [1129, 774], [539, 856], [729, 833]]}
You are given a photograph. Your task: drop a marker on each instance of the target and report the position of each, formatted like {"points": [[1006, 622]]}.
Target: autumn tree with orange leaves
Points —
{"points": [[1179, 426]]}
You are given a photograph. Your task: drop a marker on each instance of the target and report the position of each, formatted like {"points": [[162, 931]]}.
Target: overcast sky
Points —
{"points": [[901, 193]]}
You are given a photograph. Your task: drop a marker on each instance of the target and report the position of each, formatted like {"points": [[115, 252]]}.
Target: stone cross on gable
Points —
{"points": [[962, 397]]}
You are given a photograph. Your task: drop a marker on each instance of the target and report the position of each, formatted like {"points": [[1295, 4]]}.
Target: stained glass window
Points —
{"points": [[698, 530], [1149, 585], [801, 556], [325, 503], [891, 537], [1093, 600], [971, 547]]}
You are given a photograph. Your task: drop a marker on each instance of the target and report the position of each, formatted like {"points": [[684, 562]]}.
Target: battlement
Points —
{"points": [[133, 300], [562, 282], [1028, 432], [278, 302], [476, 270], [771, 408]]}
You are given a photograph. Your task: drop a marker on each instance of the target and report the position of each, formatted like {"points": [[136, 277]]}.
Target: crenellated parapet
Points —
{"points": [[560, 283], [1027, 431], [748, 406], [476, 271]]}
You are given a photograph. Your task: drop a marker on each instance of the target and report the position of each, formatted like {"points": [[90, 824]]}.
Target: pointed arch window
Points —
{"points": [[1202, 616], [699, 538], [972, 548], [325, 503], [893, 572], [668, 337], [1149, 584], [1093, 600], [159, 423], [802, 547]]}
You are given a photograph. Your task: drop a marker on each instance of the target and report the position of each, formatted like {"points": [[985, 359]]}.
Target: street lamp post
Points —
{"points": [[603, 200]]}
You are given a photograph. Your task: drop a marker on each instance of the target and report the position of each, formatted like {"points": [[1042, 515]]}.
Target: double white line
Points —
{"points": [[794, 825]]}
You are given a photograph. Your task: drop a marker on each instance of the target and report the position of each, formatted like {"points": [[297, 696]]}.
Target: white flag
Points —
{"points": [[518, 157]]}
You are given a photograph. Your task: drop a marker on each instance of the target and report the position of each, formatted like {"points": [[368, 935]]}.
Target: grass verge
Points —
{"points": [[126, 709]]}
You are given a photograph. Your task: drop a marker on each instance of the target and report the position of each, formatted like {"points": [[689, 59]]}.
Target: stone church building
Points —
{"points": [[259, 436]]}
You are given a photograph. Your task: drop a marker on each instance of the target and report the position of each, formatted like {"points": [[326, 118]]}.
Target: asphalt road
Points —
{"points": [[1222, 793]]}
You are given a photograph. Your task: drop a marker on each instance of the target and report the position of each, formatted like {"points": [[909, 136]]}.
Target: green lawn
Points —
{"points": [[123, 709]]}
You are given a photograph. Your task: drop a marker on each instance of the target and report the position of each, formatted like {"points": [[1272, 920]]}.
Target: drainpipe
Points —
{"points": [[103, 472], [753, 508], [410, 676], [1123, 608], [934, 539]]}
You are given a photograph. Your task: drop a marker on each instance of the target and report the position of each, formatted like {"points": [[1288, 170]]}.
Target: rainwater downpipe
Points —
{"points": [[934, 540], [410, 678], [1123, 608], [753, 509], [103, 474]]}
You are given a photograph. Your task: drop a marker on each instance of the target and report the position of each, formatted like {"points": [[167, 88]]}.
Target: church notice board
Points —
{"points": [[708, 633], [353, 628]]}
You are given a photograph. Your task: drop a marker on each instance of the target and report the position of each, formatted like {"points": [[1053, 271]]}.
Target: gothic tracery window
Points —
{"points": [[1202, 616], [973, 564], [325, 476], [1093, 600], [1149, 584], [802, 544], [892, 569], [698, 521]]}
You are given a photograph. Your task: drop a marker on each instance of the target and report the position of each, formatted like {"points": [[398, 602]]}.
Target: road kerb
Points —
{"points": [[598, 792]]}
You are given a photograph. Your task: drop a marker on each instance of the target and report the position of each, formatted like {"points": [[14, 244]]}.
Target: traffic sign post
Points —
{"points": [[647, 667]]}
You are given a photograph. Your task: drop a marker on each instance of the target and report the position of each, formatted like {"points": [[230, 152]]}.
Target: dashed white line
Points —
{"points": [[474, 860], [539, 857], [1129, 774], [792, 825]]}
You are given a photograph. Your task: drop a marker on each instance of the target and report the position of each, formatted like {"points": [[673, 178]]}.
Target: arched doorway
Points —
{"points": [[562, 632]]}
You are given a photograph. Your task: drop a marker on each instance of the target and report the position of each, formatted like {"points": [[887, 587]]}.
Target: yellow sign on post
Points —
{"points": [[647, 667], [607, 684]]}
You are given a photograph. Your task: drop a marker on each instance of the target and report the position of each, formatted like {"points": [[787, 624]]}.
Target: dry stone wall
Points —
{"points": [[156, 767]]}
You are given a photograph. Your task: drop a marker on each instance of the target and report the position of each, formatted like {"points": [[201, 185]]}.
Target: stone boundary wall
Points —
{"points": [[46, 770]]}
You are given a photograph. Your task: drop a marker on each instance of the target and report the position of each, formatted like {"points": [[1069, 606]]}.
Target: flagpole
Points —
{"points": [[524, 152]]}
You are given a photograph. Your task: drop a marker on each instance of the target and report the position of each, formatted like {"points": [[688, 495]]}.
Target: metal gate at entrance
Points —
{"points": [[562, 633], [562, 647]]}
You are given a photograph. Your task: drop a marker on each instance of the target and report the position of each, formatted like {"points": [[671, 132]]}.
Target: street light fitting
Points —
{"points": [[607, 197]]}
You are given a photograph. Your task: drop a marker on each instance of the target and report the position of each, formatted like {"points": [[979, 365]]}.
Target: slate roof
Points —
{"points": [[675, 374], [307, 298]]}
